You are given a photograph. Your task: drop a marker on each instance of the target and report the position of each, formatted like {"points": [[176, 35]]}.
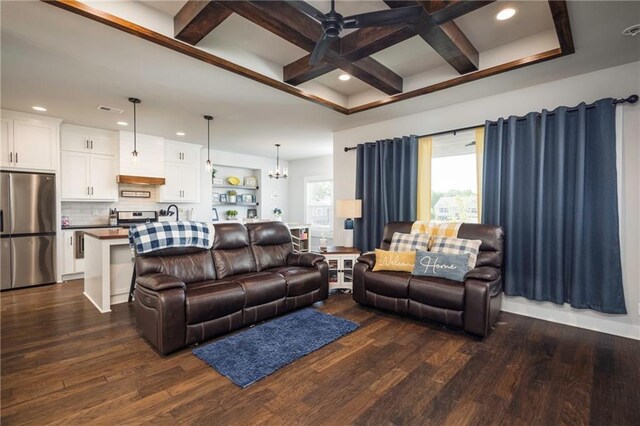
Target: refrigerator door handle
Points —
{"points": [[1, 220]]}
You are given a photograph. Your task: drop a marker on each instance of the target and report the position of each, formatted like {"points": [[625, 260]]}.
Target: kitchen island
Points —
{"points": [[108, 267]]}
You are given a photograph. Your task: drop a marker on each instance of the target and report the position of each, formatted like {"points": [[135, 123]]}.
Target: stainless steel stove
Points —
{"points": [[126, 219]]}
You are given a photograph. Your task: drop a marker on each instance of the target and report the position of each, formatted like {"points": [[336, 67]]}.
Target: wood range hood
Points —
{"points": [[140, 180]]}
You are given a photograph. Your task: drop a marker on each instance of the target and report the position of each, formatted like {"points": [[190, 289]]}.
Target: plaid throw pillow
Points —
{"points": [[457, 245], [409, 242]]}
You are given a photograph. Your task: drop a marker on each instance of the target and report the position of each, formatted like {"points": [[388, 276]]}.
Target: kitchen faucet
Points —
{"points": [[176, 207]]}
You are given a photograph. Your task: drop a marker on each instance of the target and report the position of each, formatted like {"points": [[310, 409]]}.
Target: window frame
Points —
{"points": [[316, 230]]}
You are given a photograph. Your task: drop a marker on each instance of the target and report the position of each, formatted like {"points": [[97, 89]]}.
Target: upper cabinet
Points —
{"points": [[182, 173], [88, 164], [29, 142], [88, 140], [150, 155]]}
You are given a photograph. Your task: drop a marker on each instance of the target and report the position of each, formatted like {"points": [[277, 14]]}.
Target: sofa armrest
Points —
{"points": [[484, 273], [368, 258], [304, 259], [478, 307], [159, 282]]}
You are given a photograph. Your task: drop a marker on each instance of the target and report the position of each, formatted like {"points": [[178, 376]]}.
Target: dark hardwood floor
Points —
{"points": [[63, 362]]}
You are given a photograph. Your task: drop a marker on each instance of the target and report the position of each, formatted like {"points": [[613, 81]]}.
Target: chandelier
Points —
{"points": [[276, 174]]}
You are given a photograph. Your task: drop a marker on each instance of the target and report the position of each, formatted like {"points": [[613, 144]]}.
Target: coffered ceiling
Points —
{"points": [[72, 64]]}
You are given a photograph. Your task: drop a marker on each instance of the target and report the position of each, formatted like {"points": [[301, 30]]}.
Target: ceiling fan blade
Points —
{"points": [[401, 15], [307, 9], [320, 49]]}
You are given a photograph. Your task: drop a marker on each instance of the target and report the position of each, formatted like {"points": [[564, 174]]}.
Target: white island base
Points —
{"points": [[108, 268]]}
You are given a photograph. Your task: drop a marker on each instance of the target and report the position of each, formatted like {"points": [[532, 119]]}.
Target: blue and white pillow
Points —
{"points": [[409, 242], [458, 246], [442, 265]]}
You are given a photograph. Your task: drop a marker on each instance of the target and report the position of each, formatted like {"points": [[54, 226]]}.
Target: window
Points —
{"points": [[454, 185], [318, 200]]}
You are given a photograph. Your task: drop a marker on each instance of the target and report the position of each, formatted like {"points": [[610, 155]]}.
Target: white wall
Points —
{"points": [[615, 82], [298, 171]]}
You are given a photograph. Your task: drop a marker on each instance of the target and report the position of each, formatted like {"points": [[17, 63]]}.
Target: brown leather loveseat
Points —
{"points": [[185, 296], [472, 305]]}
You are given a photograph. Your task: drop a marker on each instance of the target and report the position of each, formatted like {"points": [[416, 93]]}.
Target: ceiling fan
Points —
{"points": [[333, 23]]}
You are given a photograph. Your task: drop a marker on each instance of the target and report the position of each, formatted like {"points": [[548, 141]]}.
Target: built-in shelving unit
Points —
{"points": [[222, 188]]}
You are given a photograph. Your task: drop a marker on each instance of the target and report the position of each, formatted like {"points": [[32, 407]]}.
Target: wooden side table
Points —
{"points": [[341, 261]]}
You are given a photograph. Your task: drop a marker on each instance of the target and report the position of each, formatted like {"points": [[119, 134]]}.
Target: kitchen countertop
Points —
{"points": [[89, 226], [109, 234]]}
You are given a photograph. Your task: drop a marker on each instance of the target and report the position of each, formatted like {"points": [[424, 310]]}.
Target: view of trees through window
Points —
{"points": [[318, 197], [454, 190]]}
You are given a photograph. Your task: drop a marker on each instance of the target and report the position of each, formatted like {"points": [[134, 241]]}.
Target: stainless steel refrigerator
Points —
{"points": [[27, 229]]}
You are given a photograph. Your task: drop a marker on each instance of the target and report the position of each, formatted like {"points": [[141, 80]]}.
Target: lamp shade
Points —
{"points": [[349, 208]]}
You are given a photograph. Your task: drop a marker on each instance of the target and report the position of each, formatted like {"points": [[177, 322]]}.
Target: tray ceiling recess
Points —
{"points": [[352, 53]]}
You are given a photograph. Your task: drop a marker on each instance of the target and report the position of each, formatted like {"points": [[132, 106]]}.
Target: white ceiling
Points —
{"points": [[71, 65]]}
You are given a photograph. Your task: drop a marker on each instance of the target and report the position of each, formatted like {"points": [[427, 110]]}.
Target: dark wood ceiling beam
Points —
{"points": [[560, 16], [288, 22], [446, 39], [196, 19], [367, 41], [355, 46], [444, 11]]}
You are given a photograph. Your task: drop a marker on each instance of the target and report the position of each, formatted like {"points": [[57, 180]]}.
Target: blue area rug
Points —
{"points": [[253, 354]]}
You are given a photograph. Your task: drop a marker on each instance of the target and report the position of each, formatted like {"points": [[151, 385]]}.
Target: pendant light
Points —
{"points": [[134, 153], [277, 174], [208, 164]]}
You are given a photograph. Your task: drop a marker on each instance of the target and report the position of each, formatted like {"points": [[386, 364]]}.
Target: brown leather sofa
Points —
{"points": [[473, 305], [185, 296]]}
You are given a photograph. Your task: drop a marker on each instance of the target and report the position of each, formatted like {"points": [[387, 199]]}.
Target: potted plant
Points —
{"points": [[277, 212], [232, 196], [231, 214]]}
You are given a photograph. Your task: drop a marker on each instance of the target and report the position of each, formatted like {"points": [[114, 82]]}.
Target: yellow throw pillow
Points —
{"points": [[401, 261]]}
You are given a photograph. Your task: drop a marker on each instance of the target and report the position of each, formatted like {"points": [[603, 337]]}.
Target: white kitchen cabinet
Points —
{"points": [[88, 177], [29, 143], [150, 155], [182, 173], [181, 152], [68, 252], [6, 143], [89, 140]]}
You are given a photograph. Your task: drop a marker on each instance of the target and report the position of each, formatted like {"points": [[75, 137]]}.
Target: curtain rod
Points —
{"points": [[630, 99]]}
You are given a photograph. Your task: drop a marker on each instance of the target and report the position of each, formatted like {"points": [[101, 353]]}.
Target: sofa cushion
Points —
{"points": [[261, 287], [443, 265], [271, 244], [188, 268], [300, 280], [402, 261], [457, 246], [438, 292], [231, 252], [409, 242], [209, 300], [392, 284]]}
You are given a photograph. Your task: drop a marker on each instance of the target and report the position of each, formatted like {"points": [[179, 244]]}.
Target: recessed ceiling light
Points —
{"points": [[505, 14], [344, 77], [180, 133], [122, 123], [39, 108]]}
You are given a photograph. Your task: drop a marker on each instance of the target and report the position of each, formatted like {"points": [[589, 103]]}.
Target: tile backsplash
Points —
{"points": [[97, 213]]}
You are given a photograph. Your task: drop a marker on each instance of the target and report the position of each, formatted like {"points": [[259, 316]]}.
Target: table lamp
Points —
{"points": [[349, 209]]}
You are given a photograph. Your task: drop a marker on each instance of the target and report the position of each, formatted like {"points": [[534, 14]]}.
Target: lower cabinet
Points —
{"points": [[68, 253], [341, 270]]}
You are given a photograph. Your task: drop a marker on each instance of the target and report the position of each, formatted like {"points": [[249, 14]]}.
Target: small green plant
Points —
{"points": [[277, 212], [213, 172], [231, 214], [232, 193]]}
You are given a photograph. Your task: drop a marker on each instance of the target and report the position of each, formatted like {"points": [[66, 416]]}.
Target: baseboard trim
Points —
{"points": [[580, 318]]}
